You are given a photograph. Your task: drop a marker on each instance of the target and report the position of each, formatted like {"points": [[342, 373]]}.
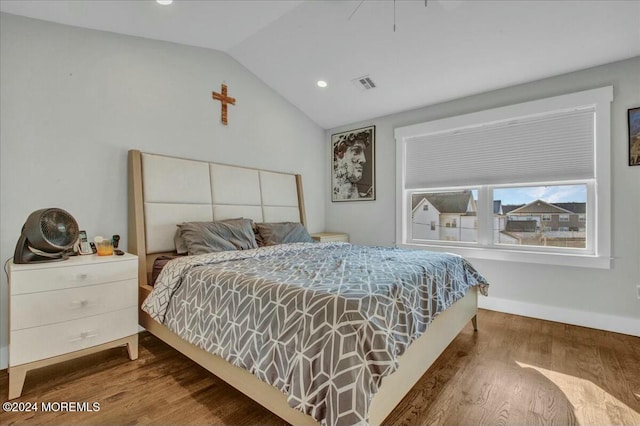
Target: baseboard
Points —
{"points": [[598, 321]]}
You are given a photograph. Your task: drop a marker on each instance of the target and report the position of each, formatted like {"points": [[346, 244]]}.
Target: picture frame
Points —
{"points": [[353, 165], [633, 116]]}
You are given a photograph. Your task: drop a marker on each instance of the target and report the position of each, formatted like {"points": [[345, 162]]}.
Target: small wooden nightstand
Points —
{"points": [[325, 237], [67, 309]]}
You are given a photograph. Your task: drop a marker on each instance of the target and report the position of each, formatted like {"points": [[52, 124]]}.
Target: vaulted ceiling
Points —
{"points": [[444, 50]]}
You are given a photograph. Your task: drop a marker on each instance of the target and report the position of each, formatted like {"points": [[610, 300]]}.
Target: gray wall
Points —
{"points": [[592, 297], [73, 101]]}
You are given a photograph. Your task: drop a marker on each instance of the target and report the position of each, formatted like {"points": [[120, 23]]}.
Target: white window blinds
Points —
{"points": [[555, 146]]}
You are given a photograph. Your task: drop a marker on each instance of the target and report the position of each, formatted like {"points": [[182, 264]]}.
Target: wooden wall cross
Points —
{"points": [[224, 99]]}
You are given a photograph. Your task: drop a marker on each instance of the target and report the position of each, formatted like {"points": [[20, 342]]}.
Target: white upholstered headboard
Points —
{"points": [[165, 191]]}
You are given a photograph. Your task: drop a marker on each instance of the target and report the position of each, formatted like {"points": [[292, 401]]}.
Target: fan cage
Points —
{"points": [[58, 228]]}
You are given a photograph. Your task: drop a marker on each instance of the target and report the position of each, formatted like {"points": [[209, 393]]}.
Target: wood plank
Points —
{"points": [[136, 243], [303, 215], [513, 371]]}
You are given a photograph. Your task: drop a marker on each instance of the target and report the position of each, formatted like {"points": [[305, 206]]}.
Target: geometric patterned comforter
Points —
{"points": [[321, 322]]}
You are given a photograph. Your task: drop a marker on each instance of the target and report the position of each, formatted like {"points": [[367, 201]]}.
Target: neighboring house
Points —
{"points": [[448, 216], [451, 216], [543, 223], [499, 221], [578, 218], [508, 208], [548, 217]]}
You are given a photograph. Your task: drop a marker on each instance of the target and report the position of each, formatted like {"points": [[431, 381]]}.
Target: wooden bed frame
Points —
{"points": [[413, 363]]}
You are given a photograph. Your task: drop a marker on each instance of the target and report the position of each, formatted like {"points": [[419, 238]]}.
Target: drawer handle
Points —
{"points": [[84, 303], [82, 277], [85, 335]]}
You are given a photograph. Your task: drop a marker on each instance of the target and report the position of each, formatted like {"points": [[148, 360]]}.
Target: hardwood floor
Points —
{"points": [[513, 371]]}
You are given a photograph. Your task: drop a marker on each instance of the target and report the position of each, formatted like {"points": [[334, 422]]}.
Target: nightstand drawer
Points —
{"points": [[49, 307], [50, 340], [71, 308], [70, 276]]}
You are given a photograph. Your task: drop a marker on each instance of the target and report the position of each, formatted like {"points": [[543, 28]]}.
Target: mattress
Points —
{"points": [[322, 322]]}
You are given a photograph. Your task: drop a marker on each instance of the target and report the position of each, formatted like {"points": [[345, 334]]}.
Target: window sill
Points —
{"points": [[576, 260]]}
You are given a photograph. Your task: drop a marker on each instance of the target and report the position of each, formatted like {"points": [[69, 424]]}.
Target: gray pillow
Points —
{"points": [[207, 237], [282, 233], [181, 245]]}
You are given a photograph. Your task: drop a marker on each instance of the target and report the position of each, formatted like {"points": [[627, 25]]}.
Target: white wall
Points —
{"points": [[73, 101], [596, 298]]}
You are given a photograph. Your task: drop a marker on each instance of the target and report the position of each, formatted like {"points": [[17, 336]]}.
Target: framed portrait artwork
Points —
{"points": [[634, 136], [353, 165]]}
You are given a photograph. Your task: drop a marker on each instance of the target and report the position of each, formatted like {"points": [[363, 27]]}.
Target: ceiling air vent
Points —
{"points": [[364, 83]]}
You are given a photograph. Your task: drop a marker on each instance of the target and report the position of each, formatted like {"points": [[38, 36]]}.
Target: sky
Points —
{"points": [[550, 194]]}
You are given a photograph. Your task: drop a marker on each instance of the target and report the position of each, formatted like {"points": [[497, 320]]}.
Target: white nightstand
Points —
{"points": [[67, 309], [324, 237]]}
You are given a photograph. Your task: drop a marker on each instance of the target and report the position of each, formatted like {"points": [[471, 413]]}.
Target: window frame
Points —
{"points": [[597, 254]]}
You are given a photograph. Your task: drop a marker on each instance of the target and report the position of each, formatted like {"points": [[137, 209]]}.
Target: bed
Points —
{"points": [[166, 191]]}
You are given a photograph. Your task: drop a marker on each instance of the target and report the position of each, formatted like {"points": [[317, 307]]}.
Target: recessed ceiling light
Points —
{"points": [[321, 83], [164, 2]]}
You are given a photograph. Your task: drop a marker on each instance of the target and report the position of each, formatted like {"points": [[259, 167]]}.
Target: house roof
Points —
{"points": [[539, 206], [580, 208], [416, 199], [445, 202], [507, 208], [457, 202]]}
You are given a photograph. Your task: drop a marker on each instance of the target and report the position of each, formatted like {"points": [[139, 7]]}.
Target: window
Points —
{"points": [[528, 225], [542, 152], [425, 207]]}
